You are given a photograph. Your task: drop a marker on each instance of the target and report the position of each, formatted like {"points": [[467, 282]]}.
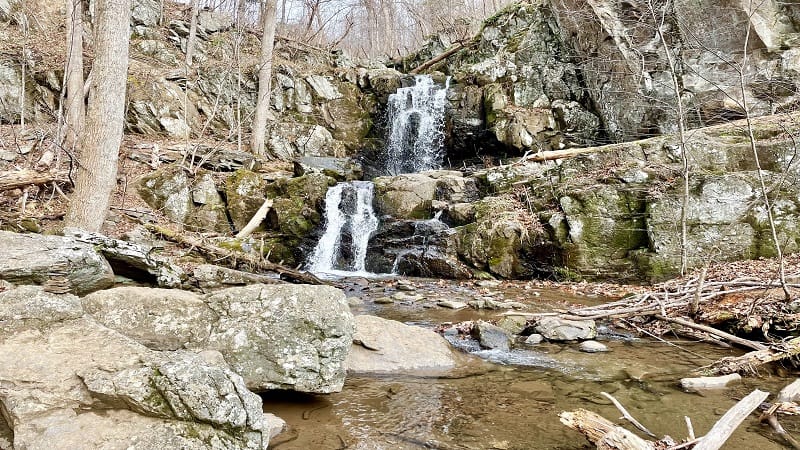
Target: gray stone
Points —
{"points": [[37, 259], [592, 347], [214, 21], [145, 12], [407, 196], [513, 324], [161, 319], [341, 169], [167, 190], [323, 87], [29, 307], [6, 155], [283, 336], [491, 336], [556, 329], [452, 304], [381, 345], [534, 339], [103, 390]]}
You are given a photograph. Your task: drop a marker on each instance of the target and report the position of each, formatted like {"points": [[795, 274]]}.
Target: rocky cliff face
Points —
{"points": [[546, 74]]}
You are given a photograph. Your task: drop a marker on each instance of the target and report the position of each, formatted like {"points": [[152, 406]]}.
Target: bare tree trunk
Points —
{"points": [[191, 42], [100, 142], [752, 138], [259, 127], [673, 71], [75, 110]]}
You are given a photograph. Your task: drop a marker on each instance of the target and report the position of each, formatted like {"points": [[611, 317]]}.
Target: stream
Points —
{"points": [[513, 402]]}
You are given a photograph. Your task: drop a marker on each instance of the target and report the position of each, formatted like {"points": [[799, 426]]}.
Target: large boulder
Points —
{"points": [[167, 190], [496, 242], [408, 196], [284, 336], [61, 262], [381, 345], [557, 329], [275, 336], [71, 383]]}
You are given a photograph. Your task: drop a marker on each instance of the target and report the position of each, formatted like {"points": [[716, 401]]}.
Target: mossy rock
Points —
{"points": [[244, 191], [298, 203], [167, 190]]}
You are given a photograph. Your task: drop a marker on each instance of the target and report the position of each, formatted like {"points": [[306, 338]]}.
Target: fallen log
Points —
{"points": [[786, 400], [431, 62], [751, 361], [602, 432], [735, 339], [216, 159], [731, 420], [254, 222], [20, 178], [234, 259]]}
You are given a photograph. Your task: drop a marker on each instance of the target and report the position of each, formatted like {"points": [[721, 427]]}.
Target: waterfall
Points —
{"points": [[350, 221], [416, 118], [414, 144]]}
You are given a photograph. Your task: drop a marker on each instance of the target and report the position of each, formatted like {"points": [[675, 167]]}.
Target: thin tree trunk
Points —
{"points": [[752, 138], [97, 169], [259, 126], [191, 42], [75, 110], [681, 136]]}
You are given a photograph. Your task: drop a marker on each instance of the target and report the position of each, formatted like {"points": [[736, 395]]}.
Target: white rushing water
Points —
{"points": [[416, 118], [350, 222]]}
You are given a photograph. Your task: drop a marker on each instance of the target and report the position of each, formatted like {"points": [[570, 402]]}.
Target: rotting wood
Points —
{"points": [[731, 420], [750, 361], [216, 159], [602, 432], [20, 178], [234, 259]]}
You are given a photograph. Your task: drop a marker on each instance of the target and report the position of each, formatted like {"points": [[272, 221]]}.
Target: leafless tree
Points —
{"points": [[102, 136], [268, 23]]}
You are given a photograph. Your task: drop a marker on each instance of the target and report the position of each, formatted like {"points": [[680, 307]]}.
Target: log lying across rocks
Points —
{"points": [[234, 259]]}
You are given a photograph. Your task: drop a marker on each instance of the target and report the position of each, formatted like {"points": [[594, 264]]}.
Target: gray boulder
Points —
{"points": [[276, 336], [167, 190], [341, 169], [283, 336], [71, 383], [556, 329], [381, 345], [57, 261], [491, 336], [408, 196], [160, 319]]}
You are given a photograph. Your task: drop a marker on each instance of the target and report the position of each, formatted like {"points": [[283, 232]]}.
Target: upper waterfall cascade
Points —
{"points": [[415, 116]]}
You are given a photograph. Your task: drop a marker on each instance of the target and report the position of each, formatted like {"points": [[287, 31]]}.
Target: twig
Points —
{"points": [[626, 415]]}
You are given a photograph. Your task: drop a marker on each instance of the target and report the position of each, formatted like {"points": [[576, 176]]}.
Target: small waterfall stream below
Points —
{"points": [[350, 221]]}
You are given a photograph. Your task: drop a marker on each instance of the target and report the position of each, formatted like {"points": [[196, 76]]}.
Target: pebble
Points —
{"points": [[383, 300], [592, 347], [7, 155], [354, 301], [534, 339]]}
